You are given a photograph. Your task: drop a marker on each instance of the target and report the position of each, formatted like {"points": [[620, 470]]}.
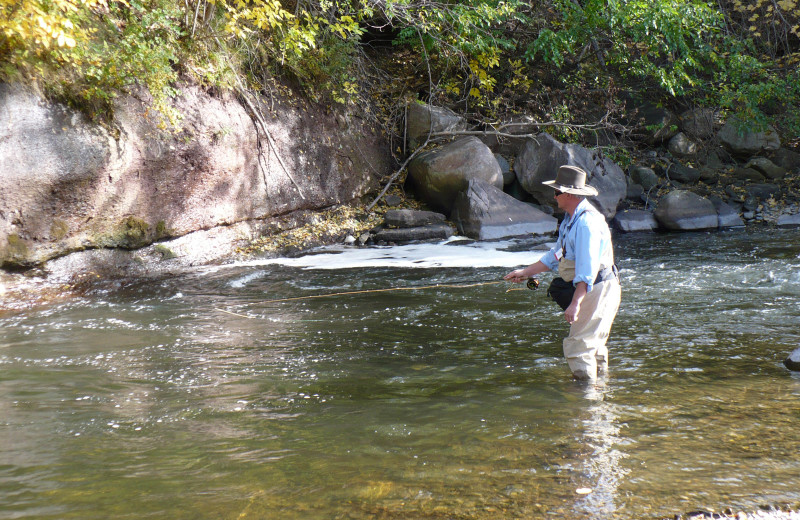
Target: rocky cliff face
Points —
{"points": [[67, 184]]}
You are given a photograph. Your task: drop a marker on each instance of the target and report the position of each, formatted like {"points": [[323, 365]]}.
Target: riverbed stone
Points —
{"points": [[684, 174], [439, 175], [484, 212], [786, 159], [767, 168], [645, 176], [682, 210], [748, 174], [727, 216], [412, 234], [541, 157], [788, 220], [762, 191], [408, 218], [631, 220]]}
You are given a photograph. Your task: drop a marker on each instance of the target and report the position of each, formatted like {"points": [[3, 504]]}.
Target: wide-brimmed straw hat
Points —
{"points": [[571, 179]]}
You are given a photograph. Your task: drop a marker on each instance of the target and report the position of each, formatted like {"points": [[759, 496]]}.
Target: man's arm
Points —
{"points": [[520, 275], [571, 314]]}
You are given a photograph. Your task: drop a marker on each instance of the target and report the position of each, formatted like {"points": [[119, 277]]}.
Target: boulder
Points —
{"points": [[632, 220], [69, 184], [762, 191], [786, 220], [505, 169], [408, 218], [727, 216], [683, 174], [681, 145], [438, 176], [644, 176], [793, 361], [748, 174], [634, 192], [413, 234], [654, 124], [541, 157], [767, 168], [744, 141], [699, 122], [786, 159], [484, 212], [682, 210], [422, 119]]}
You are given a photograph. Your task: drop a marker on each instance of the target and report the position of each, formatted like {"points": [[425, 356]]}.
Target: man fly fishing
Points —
{"points": [[588, 286]]}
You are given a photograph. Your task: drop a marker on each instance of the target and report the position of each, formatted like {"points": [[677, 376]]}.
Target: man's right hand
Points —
{"points": [[516, 276]]}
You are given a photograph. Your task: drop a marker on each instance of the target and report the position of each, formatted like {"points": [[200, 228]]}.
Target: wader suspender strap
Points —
{"points": [[566, 232]]}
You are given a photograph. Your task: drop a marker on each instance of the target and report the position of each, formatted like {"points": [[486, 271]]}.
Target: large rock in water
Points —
{"points": [[793, 361], [682, 210], [69, 184], [484, 212], [541, 157], [632, 220], [439, 175]]}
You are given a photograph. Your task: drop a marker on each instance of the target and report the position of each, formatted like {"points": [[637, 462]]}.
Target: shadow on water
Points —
{"points": [[197, 397]]}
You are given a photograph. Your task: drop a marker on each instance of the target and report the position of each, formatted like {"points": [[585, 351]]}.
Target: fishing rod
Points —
{"points": [[532, 284]]}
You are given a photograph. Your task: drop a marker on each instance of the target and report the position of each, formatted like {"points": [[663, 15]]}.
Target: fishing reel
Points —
{"points": [[532, 284]]}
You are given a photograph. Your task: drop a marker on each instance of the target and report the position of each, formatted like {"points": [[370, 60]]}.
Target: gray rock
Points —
{"points": [[727, 216], [635, 192], [681, 146], [423, 119], [789, 220], [709, 175], [682, 210], [440, 175], [632, 220], [505, 169], [762, 191], [684, 174], [69, 184], [767, 168], [748, 174], [786, 159], [414, 234], [655, 124], [744, 141], [484, 212], [393, 200], [793, 361], [408, 218], [541, 157], [644, 176], [699, 122]]}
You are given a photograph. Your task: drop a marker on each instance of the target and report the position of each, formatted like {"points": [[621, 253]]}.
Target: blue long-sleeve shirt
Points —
{"points": [[585, 238]]}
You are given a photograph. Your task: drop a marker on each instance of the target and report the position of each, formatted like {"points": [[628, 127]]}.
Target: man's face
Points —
{"points": [[562, 200]]}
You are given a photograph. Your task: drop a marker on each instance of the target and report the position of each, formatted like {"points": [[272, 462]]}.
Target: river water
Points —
{"points": [[197, 397]]}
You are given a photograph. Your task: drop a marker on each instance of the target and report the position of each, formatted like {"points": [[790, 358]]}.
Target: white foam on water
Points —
{"points": [[423, 256]]}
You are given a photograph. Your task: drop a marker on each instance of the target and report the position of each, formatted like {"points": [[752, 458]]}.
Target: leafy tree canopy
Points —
{"points": [[490, 57]]}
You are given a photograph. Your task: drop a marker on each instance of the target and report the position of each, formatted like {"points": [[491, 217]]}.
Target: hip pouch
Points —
{"points": [[561, 289]]}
